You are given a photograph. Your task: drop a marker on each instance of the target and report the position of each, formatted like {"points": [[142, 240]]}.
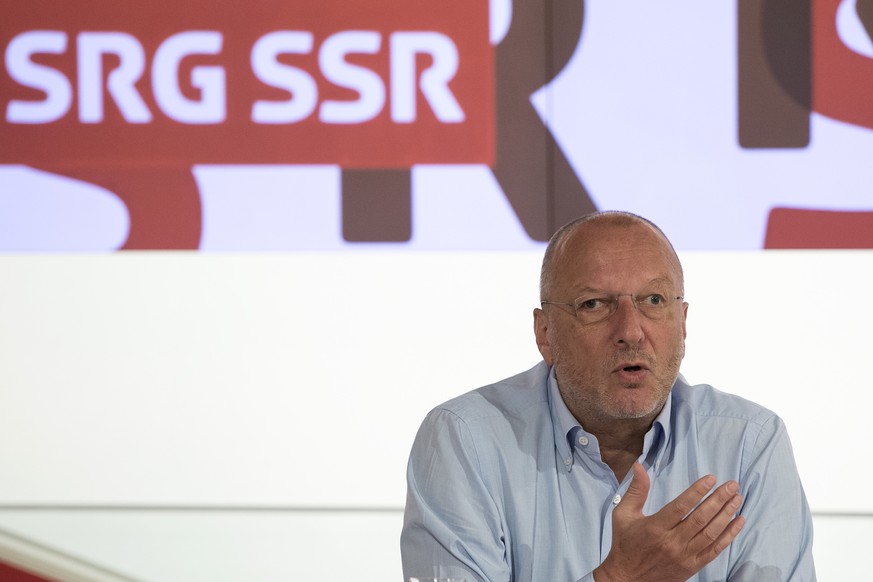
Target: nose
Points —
{"points": [[626, 322]]}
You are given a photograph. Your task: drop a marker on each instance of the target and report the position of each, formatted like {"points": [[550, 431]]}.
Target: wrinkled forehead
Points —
{"points": [[600, 252]]}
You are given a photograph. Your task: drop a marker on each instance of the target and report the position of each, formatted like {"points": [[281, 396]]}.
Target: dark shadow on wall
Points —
{"points": [[536, 177]]}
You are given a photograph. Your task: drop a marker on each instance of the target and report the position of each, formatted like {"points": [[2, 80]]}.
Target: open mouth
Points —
{"points": [[630, 367]]}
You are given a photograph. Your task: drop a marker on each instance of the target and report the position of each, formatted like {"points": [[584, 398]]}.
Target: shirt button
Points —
{"points": [[583, 441], [568, 460], [616, 500]]}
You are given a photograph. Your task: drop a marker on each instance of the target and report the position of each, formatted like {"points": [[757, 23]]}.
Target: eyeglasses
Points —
{"points": [[596, 308]]}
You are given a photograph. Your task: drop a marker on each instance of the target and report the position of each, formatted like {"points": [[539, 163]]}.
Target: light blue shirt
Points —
{"points": [[505, 485]]}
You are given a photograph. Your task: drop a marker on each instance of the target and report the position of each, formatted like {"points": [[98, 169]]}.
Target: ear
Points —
{"points": [[684, 329], [684, 319], [541, 331]]}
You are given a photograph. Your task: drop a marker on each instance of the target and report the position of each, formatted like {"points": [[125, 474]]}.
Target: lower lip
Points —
{"points": [[632, 376]]}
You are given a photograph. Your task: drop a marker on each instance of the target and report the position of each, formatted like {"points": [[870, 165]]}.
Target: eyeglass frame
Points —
{"points": [[614, 303]]}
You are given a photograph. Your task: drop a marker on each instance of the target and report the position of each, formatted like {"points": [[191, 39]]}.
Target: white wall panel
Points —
{"points": [[268, 380], [297, 381]]}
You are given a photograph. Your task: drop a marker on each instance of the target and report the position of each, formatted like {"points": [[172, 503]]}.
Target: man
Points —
{"points": [[601, 462]]}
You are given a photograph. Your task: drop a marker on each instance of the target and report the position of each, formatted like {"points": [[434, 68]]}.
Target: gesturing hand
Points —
{"points": [[676, 542]]}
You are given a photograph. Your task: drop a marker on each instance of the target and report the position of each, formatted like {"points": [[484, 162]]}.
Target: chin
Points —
{"points": [[629, 410], [629, 414]]}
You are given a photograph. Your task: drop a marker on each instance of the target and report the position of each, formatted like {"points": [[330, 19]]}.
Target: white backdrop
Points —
{"points": [[295, 381], [263, 380]]}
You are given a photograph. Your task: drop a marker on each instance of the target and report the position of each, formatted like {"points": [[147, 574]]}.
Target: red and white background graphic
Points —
{"points": [[339, 208], [292, 126], [140, 102]]}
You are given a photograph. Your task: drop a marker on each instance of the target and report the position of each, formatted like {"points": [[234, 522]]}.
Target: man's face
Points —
{"points": [[624, 366]]}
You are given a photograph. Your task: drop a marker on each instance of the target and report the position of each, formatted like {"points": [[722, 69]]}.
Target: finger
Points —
{"points": [[723, 500], [637, 492], [719, 523], [726, 538], [675, 512]]}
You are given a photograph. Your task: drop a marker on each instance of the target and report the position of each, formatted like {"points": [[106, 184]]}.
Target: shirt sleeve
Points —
{"points": [[452, 525], [776, 542]]}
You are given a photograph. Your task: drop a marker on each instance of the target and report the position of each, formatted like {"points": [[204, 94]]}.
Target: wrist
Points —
{"points": [[603, 573]]}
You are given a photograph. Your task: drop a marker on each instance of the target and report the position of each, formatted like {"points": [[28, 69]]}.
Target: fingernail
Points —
{"points": [[732, 487], [709, 481]]}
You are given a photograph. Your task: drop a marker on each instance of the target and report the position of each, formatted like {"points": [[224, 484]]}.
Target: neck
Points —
{"points": [[620, 440]]}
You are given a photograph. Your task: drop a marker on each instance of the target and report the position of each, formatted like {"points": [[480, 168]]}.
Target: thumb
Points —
{"points": [[637, 491]]}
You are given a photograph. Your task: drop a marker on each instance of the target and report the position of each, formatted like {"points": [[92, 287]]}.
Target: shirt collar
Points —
{"points": [[568, 430]]}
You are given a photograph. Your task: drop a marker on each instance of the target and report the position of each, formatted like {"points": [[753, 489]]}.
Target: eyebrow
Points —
{"points": [[653, 283]]}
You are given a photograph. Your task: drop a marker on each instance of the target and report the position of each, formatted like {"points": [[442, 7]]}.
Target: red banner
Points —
{"points": [[359, 83]]}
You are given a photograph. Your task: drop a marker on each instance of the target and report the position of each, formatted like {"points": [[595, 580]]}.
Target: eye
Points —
{"points": [[653, 300], [592, 304]]}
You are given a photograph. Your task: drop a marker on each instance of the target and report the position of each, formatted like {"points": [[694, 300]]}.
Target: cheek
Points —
{"points": [[577, 350], [556, 345], [677, 344], [548, 353]]}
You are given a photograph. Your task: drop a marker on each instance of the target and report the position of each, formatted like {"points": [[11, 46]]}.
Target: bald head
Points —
{"points": [[571, 232]]}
